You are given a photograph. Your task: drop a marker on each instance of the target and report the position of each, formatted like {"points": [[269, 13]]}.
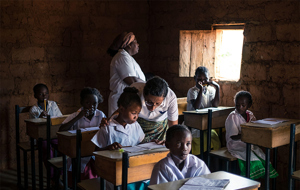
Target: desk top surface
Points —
{"points": [[116, 155], [272, 127], [205, 110], [236, 182]]}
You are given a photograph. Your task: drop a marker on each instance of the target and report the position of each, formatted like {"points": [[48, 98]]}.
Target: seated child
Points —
{"points": [[41, 93], [124, 130], [178, 164], [204, 94], [87, 116], [237, 148]]}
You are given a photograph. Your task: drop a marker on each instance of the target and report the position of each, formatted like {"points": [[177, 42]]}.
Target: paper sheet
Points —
{"points": [[143, 147], [269, 121], [206, 109], [84, 129], [201, 183]]}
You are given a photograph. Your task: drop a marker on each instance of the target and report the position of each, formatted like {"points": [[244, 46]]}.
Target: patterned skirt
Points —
{"points": [[154, 130], [257, 168]]}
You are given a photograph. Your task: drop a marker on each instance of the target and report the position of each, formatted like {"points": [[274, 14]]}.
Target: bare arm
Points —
{"points": [[197, 102], [171, 123], [130, 80], [113, 146], [67, 126], [216, 100]]}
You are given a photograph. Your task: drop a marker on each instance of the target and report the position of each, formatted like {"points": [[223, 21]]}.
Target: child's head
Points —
{"points": [[90, 98], [201, 75], [41, 92], [179, 141], [243, 101], [129, 105]]}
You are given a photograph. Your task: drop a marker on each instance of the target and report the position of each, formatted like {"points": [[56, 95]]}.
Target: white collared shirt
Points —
{"points": [[122, 65], [52, 110], [131, 135], [206, 100], [166, 171], [167, 109], [85, 122]]}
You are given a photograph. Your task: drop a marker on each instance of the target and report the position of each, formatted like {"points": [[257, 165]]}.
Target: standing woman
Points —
{"points": [[159, 108], [124, 70]]}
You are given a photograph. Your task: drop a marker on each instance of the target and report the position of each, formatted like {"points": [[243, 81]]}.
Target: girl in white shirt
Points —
{"points": [[178, 164], [87, 116], [237, 148], [124, 130]]}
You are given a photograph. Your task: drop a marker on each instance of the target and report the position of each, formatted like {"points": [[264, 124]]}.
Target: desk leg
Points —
{"points": [[201, 145], [267, 174], [65, 174], [32, 163], [102, 183], [40, 150], [291, 156], [248, 154], [275, 166], [74, 173]]}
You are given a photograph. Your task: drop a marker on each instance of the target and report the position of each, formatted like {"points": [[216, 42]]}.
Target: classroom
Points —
{"points": [[63, 44]]}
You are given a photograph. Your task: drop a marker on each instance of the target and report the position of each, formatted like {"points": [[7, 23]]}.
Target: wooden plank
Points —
{"points": [[209, 52], [196, 57], [185, 52]]}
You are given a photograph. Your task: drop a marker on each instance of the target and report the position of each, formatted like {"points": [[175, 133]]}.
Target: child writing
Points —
{"points": [[204, 94], [124, 130], [237, 148], [41, 93], [178, 164], [87, 116]]}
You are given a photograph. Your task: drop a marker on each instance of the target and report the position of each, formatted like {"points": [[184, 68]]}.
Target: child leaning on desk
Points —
{"points": [[237, 148], [124, 130], [87, 116], [178, 164], [203, 95], [44, 106]]}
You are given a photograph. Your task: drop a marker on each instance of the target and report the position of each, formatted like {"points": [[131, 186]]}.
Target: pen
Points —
{"points": [[45, 103]]}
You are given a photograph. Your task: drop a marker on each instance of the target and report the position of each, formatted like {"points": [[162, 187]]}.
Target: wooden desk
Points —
{"points": [[109, 164], [199, 120], [37, 129], [236, 182], [268, 136]]}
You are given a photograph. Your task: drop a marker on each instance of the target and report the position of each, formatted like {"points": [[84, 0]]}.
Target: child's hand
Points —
{"points": [[105, 121], [213, 83], [199, 85], [159, 142], [44, 113], [84, 112], [114, 146]]}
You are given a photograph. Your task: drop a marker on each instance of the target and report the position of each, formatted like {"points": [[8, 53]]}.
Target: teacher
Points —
{"points": [[124, 70], [159, 108]]}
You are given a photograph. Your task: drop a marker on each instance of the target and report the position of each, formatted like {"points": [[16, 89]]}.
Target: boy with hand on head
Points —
{"points": [[41, 93], [204, 94], [178, 164]]}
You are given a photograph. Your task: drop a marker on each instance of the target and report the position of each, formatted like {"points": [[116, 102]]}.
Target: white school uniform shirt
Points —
{"points": [[208, 94], [167, 109], [122, 65], [130, 135], [52, 110], [237, 148], [84, 123], [166, 171]]}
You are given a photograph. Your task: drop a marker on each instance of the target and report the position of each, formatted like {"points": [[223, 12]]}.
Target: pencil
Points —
{"points": [[45, 103]]}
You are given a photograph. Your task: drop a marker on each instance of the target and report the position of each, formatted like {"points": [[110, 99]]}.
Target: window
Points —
{"points": [[219, 49]]}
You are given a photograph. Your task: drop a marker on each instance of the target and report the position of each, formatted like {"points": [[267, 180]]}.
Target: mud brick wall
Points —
{"points": [[62, 44], [270, 59]]}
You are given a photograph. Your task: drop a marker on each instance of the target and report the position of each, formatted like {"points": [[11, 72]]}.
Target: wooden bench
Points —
{"points": [[182, 106]]}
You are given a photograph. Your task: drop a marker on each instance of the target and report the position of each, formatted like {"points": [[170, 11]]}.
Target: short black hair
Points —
{"points": [[201, 69], [175, 128], [243, 93], [87, 91], [38, 86], [156, 86], [128, 97]]}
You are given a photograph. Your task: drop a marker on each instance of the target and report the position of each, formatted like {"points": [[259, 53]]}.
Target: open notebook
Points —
{"points": [[143, 147], [200, 183], [269, 121]]}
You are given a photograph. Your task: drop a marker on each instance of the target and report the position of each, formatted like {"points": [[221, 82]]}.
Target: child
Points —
{"points": [[124, 130], [243, 101], [204, 94], [87, 116], [41, 93], [178, 164]]}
